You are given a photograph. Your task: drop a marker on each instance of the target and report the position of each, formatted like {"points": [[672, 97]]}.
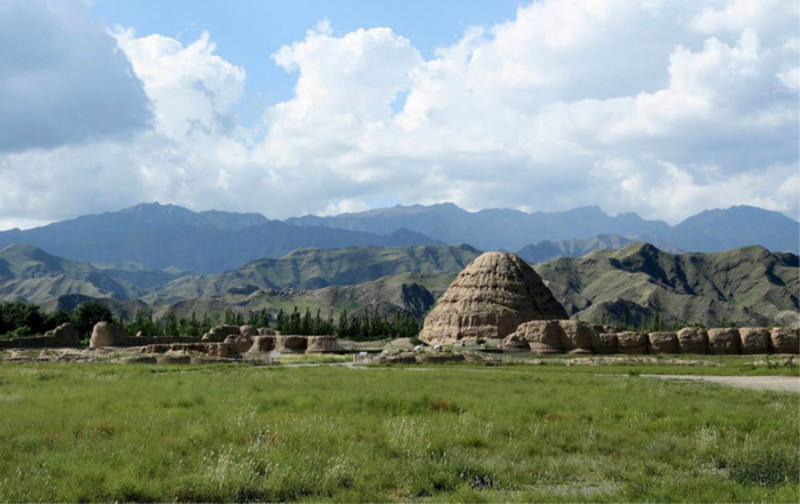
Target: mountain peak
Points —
{"points": [[152, 206], [25, 259]]}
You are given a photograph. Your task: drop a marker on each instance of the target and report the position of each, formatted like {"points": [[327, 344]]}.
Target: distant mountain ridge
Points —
{"points": [[162, 236], [32, 275], [503, 229], [575, 247], [168, 236]]}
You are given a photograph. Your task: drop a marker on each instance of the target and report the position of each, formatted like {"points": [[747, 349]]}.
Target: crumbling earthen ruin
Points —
{"points": [[493, 295], [549, 337]]}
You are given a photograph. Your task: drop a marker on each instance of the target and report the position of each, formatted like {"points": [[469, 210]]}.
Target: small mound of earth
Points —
{"points": [[174, 358], [140, 359], [401, 343]]}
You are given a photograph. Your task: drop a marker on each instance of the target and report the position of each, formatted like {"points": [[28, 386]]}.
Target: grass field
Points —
{"points": [[726, 365], [103, 432]]}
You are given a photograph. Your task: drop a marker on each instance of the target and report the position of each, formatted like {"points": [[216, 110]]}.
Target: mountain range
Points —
{"points": [[504, 229], [168, 237], [634, 285], [163, 236], [318, 268], [576, 247], [744, 286]]}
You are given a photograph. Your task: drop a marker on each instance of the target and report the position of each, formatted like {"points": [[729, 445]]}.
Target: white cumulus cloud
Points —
{"points": [[662, 108]]}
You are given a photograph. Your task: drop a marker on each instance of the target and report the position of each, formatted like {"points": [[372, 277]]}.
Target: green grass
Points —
{"points": [[315, 358], [106, 432], [723, 365]]}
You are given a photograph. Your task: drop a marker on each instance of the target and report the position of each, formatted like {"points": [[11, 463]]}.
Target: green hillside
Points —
{"points": [[318, 268], [411, 292], [633, 286], [746, 286], [32, 275], [139, 275]]}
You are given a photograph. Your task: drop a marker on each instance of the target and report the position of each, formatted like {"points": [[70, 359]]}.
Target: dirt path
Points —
{"points": [[779, 383]]}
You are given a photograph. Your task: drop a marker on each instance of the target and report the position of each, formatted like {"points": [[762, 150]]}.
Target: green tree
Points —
{"points": [[280, 321], [189, 328], [58, 317], [343, 327], [306, 323], [171, 324], [143, 321], [16, 315], [87, 314]]}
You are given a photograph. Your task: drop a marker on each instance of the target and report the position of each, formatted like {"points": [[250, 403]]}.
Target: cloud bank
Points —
{"points": [[662, 108], [62, 79]]}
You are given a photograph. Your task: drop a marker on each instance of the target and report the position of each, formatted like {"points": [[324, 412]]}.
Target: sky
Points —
{"points": [[660, 107]]}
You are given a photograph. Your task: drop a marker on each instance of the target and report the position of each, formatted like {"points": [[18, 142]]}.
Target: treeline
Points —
{"points": [[18, 320], [191, 326], [369, 326]]}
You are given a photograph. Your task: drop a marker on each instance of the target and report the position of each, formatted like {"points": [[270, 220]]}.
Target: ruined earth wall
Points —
{"points": [[549, 337]]}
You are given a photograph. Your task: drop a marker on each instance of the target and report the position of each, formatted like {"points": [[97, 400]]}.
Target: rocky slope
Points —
{"points": [[575, 247], [32, 275], [410, 292], [635, 285], [746, 286], [318, 268]]}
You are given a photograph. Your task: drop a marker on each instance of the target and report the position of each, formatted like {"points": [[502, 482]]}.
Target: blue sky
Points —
{"points": [[663, 108], [247, 32]]}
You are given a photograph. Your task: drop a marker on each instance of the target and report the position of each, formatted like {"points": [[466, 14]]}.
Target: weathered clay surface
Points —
{"points": [[692, 340], [632, 342], [577, 335], [754, 340], [66, 334], [604, 342], [662, 342], [239, 342], [321, 344], [222, 350], [291, 343], [785, 340], [515, 343], [262, 344], [105, 334], [219, 333], [543, 336], [489, 299], [248, 331], [174, 358], [723, 341]]}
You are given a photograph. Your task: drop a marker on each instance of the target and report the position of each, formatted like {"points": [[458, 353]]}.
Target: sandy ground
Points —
{"points": [[779, 383]]}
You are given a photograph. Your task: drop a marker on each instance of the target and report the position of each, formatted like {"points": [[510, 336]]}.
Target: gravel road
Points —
{"points": [[779, 383]]}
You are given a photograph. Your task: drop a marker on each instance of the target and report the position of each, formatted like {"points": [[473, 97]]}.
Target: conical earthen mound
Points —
{"points": [[489, 299]]}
